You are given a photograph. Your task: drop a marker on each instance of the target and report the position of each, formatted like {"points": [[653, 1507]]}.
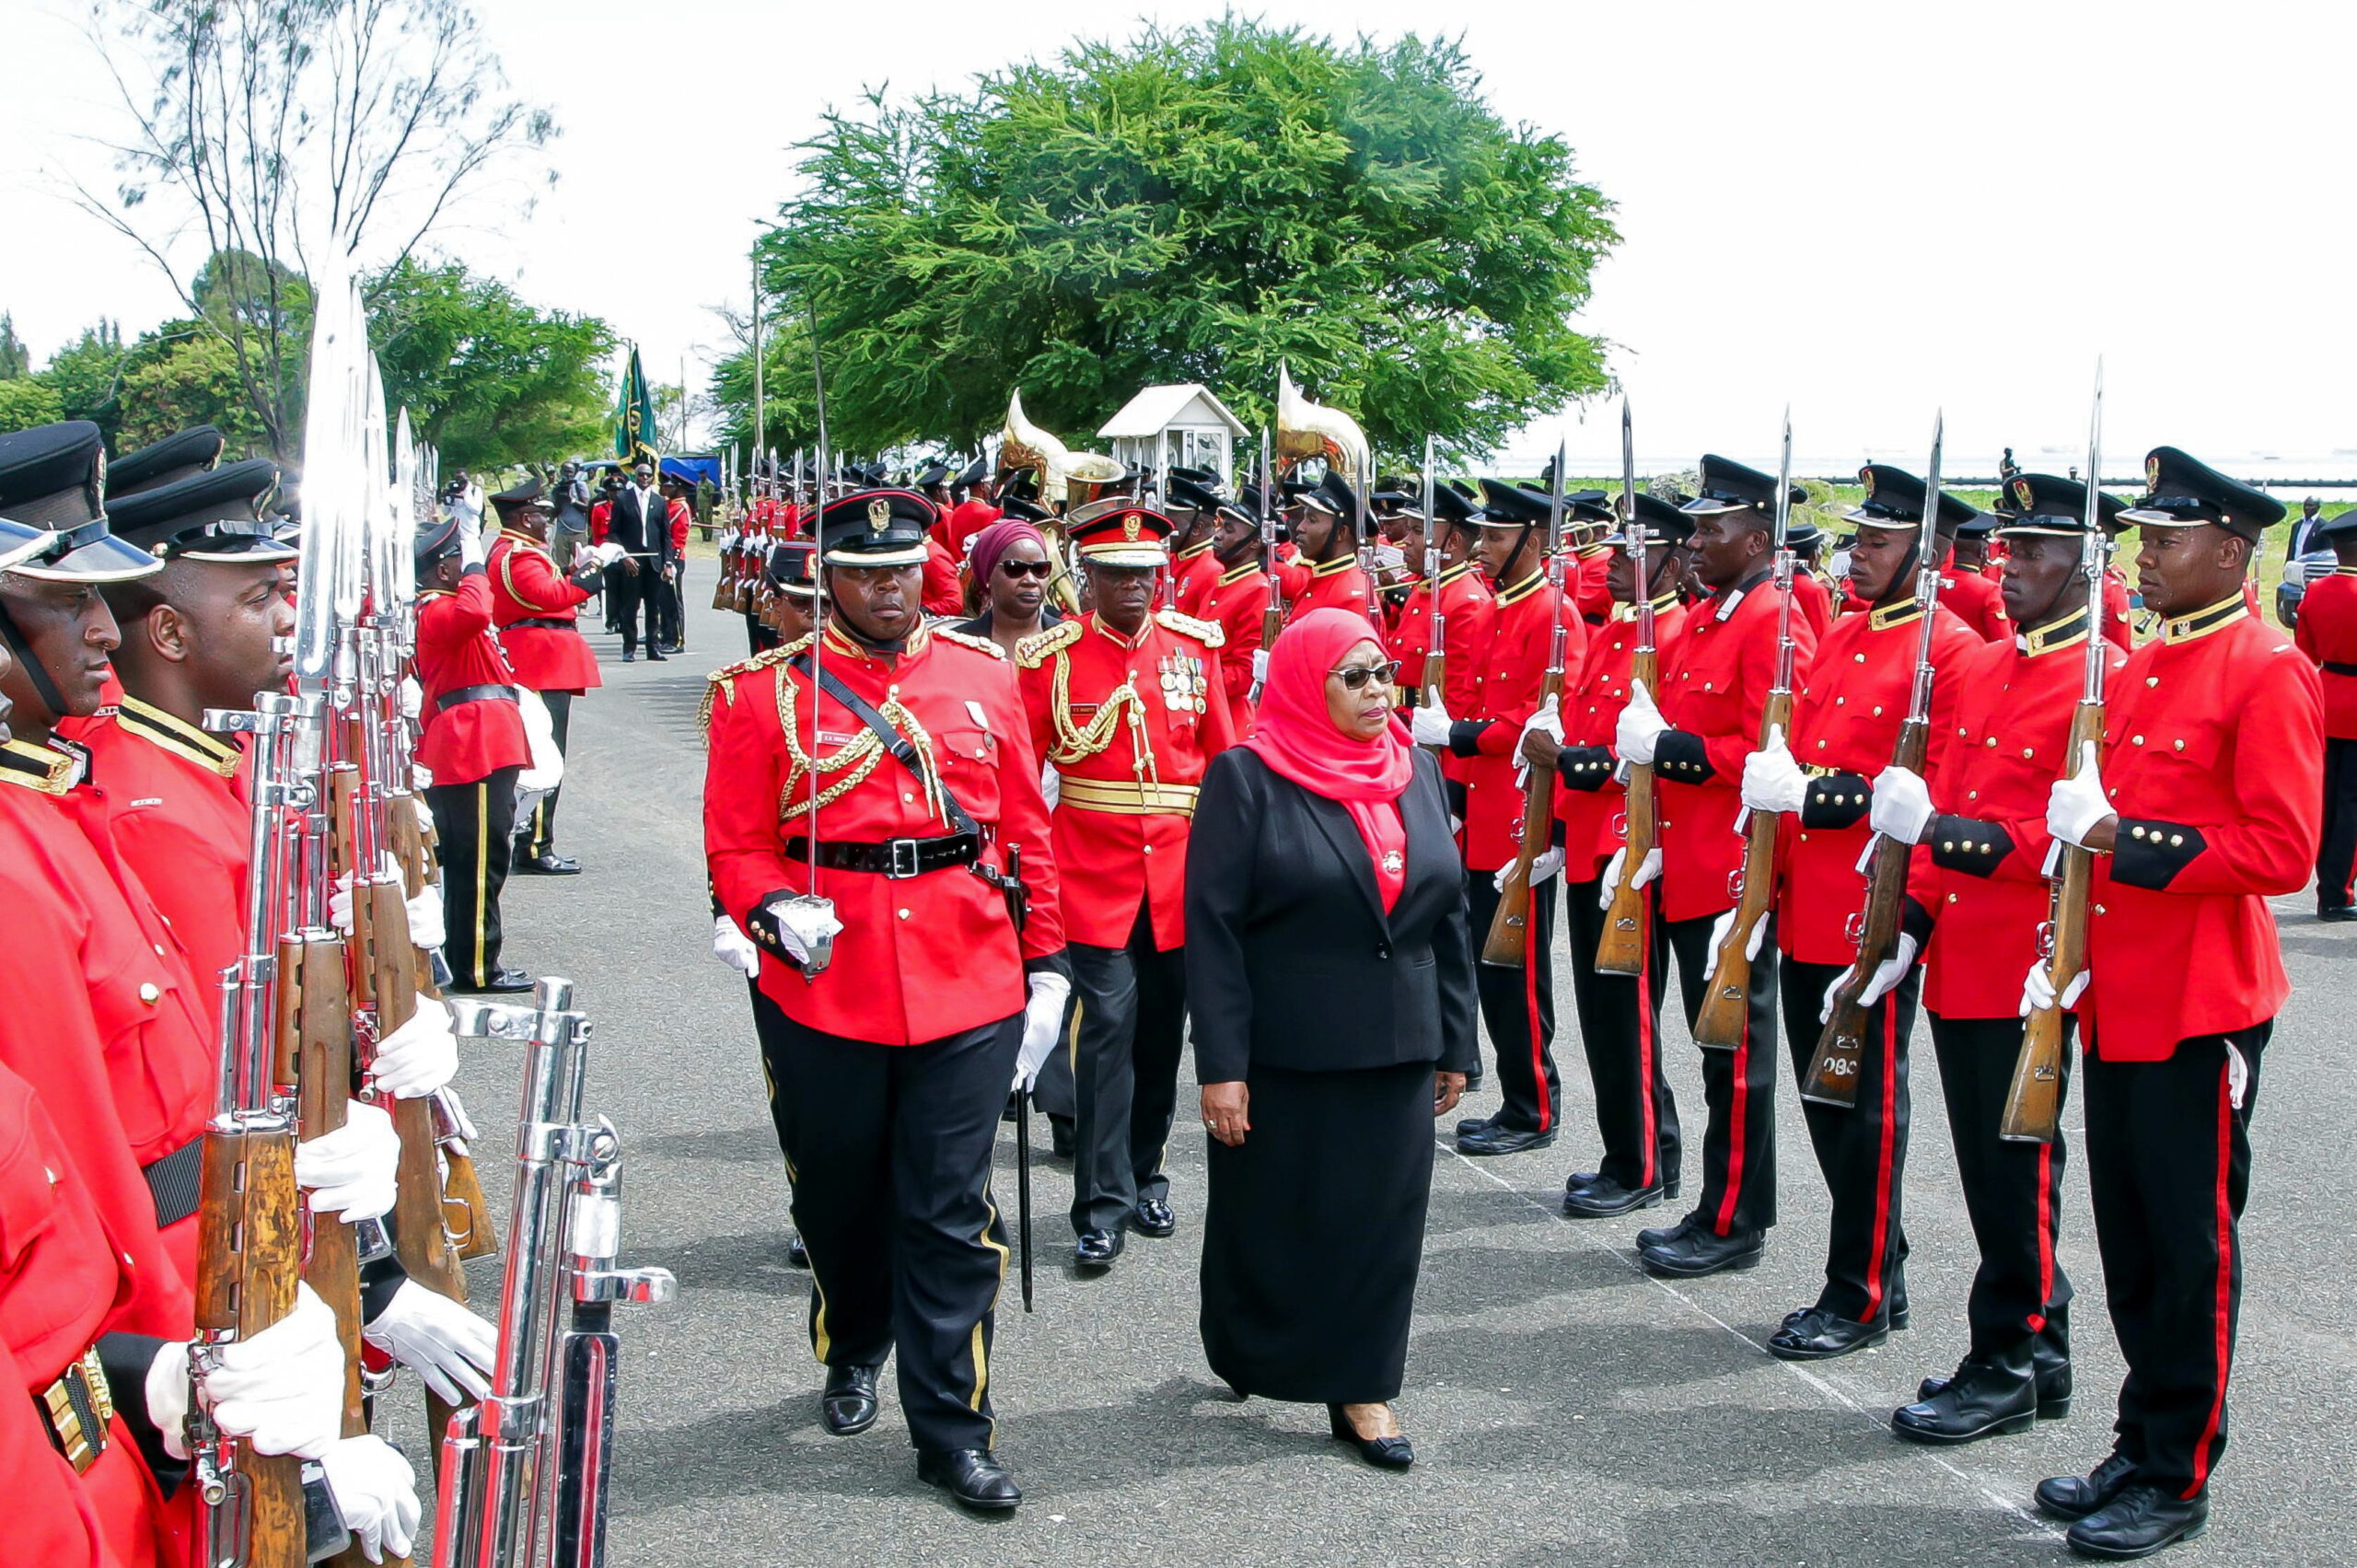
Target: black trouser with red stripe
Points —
{"points": [[1518, 1006], [1620, 1029], [475, 824], [1861, 1150], [1738, 1087], [890, 1150], [2012, 1191], [1127, 1037], [2168, 1167], [2336, 850]]}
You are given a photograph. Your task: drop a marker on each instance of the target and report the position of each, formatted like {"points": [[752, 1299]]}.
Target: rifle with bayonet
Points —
{"points": [[1508, 941], [1434, 675], [1620, 946], [2034, 1099], [1723, 1015], [1832, 1077], [1273, 616]]}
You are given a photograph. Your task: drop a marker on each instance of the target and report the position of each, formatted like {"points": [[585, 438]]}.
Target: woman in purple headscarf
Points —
{"points": [[1010, 583]]}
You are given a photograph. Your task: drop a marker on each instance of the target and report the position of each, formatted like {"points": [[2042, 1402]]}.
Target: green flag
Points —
{"points": [[634, 416]]}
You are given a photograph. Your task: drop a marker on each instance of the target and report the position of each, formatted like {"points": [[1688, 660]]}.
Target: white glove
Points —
{"points": [[1044, 1024], [798, 942], [1259, 667], [376, 1491], [413, 698], [440, 1340], [1771, 780], [350, 1170], [168, 1395], [1052, 784], [283, 1388], [419, 1057], [1725, 924], [1638, 729], [2077, 805], [1547, 720], [2037, 989], [426, 917], [606, 554], [2238, 1074], [1428, 721], [736, 950], [424, 781], [1901, 808], [1886, 978], [1647, 869], [1543, 864]]}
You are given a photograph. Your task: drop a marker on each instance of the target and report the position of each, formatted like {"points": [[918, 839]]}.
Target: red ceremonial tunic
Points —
{"points": [[679, 514], [1977, 601], [941, 593], [1590, 592], [98, 1014], [1129, 726], [2117, 629], [1714, 687], [601, 517], [2213, 755], [1192, 576], [526, 586], [1337, 584], [1982, 877], [1466, 608], [1237, 602], [178, 807], [1847, 711], [1814, 600], [1509, 672], [922, 958], [957, 527], [2326, 632], [1594, 819], [469, 741]]}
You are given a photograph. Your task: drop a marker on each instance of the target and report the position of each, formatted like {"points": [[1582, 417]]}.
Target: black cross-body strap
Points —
{"points": [[903, 751]]}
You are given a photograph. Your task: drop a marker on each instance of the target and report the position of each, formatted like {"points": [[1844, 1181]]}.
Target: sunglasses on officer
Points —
{"points": [[1356, 676], [1025, 568]]}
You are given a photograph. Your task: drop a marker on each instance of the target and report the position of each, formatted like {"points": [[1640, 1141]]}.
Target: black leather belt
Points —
{"points": [[2335, 667], [896, 858], [494, 694], [546, 622], [172, 1182]]}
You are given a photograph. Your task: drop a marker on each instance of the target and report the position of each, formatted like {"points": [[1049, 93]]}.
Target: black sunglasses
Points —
{"points": [[1026, 568], [1355, 676]]}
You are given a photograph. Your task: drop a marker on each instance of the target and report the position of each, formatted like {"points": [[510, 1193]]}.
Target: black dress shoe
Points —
{"points": [[1820, 1333], [2050, 1375], [1603, 1198], [2346, 911], [1500, 1139], [847, 1406], [1097, 1249], [1153, 1218], [2075, 1497], [502, 980], [1476, 1124], [1383, 1453], [551, 865], [797, 1256], [1663, 1234], [655, 658], [1697, 1252], [1059, 1136], [629, 657], [972, 1476], [1990, 1396], [2139, 1522]]}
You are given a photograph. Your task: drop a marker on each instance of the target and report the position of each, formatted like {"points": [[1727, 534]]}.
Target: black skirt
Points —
{"points": [[1313, 1231]]}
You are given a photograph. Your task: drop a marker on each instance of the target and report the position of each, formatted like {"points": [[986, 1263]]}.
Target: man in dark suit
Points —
{"points": [[641, 523]]}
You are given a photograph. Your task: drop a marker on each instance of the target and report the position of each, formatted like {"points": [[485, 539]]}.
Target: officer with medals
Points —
{"points": [[873, 821], [1127, 704]]}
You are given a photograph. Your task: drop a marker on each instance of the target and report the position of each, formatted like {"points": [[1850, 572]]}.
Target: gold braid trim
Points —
{"points": [[723, 681], [855, 761], [1076, 744]]}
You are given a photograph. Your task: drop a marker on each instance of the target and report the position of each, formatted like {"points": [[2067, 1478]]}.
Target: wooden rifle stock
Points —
{"points": [[1725, 1013], [2034, 1100], [313, 988], [249, 1263], [466, 1210], [1832, 1077], [1621, 948], [1508, 943]]}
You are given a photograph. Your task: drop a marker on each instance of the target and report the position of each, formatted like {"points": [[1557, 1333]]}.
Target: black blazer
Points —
{"points": [[1291, 962], [627, 526]]}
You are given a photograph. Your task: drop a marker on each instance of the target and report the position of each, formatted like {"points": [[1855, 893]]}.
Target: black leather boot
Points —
{"points": [[1992, 1394]]}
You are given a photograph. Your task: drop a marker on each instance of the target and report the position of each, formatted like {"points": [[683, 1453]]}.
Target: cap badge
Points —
{"points": [[2022, 492], [879, 516], [1868, 476], [1130, 528], [2153, 473]]}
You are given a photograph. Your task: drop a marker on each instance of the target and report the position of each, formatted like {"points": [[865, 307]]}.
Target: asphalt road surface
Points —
{"points": [[1564, 1407]]}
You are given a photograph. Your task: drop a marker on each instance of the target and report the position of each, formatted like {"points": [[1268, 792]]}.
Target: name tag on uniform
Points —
{"points": [[835, 737]]}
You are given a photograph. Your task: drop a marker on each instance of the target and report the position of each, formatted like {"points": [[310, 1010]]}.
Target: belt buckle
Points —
{"points": [[904, 859], [80, 1406]]}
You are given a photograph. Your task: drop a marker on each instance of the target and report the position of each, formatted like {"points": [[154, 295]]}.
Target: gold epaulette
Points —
{"points": [[1211, 633], [1033, 651], [968, 640], [719, 682]]}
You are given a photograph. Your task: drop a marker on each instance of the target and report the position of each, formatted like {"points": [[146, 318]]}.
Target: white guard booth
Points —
{"points": [[1182, 425]]}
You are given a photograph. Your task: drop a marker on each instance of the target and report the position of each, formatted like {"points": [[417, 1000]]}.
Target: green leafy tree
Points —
{"points": [[15, 358], [87, 376], [1201, 205], [25, 402], [491, 381], [182, 374]]}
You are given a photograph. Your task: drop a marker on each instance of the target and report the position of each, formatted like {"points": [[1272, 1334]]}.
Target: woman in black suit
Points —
{"points": [[1329, 983]]}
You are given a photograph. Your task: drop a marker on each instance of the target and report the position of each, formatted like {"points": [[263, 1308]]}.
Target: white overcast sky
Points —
{"points": [[1868, 210]]}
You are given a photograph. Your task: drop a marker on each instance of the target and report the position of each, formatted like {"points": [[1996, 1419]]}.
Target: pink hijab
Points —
{"points": [[1297, 738]]}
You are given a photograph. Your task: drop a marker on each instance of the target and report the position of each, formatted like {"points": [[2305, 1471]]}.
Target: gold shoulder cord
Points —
{"points": [[860, 757], [1075, 743]]}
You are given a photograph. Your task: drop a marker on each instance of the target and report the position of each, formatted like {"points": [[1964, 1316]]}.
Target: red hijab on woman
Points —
{"points": [[1297, 736]]}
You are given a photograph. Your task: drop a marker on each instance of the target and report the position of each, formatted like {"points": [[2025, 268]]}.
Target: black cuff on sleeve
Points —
{"points": [[380, 1278], [590, 579], [762, 927], [1457, 795], [477, 570], [126, 1358], [1465, 736], [2150, 855], [1048, 963], [1915, 920], [1960, 844], [1584, 767], [1836, 800], [1680, 756]]}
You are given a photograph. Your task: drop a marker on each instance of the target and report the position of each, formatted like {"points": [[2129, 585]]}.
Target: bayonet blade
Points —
{"points": [[1784, 483]]}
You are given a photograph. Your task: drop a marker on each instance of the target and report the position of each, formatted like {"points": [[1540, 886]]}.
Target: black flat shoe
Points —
{"points": [[847, 1405], [656, 658], [2346, 911], [1097, 1249], [1697, 1252], [2075, 1497], [549, 865], [502, 982], [1383, 1453], [1818, 1333], [1603, 1198], [972, 1476], [1990, 1396], [1663, 1234], [1475, 1124], [2051, 1380], [2139, 1522], [1501, 1140], [1153, 1217]]}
